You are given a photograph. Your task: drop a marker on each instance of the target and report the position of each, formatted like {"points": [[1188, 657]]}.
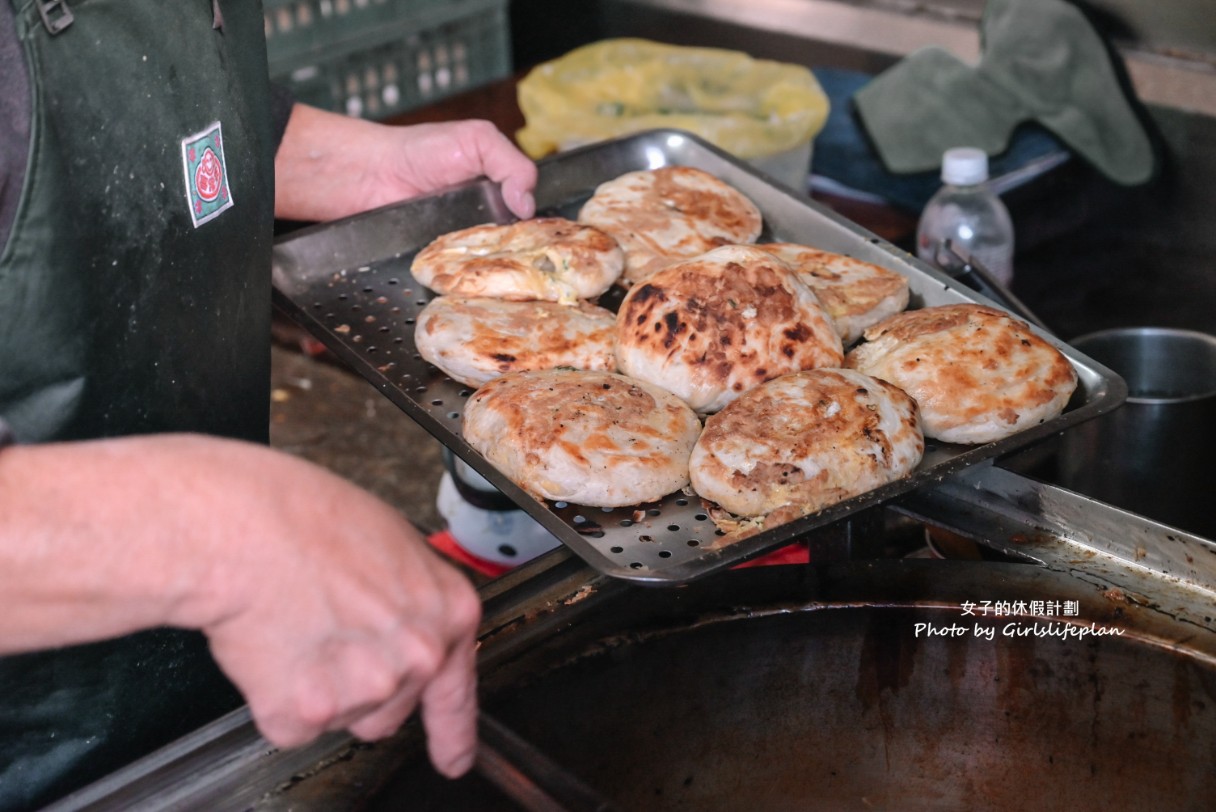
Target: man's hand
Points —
{"points": [[331, 166], [341, 617], [322, 604]]}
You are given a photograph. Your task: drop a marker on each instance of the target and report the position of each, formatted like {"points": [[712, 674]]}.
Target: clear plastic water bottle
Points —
{"points": [[968, 213]]}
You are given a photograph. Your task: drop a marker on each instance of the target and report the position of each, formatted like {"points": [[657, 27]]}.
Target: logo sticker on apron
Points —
{"points": [[207, 189]]}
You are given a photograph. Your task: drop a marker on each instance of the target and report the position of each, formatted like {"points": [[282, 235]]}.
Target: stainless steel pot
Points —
{"points": [[1153, 455]]}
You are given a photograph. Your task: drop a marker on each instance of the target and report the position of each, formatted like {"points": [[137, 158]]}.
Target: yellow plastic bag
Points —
{"points": [[751, 108]]}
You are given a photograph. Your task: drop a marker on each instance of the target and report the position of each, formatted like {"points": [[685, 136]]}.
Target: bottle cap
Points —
{"points": [[964, 166]]}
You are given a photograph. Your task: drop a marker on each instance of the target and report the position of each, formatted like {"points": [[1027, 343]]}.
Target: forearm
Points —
{"points": [[96, 542], [319, 170], [329, 166], [320, 602]]}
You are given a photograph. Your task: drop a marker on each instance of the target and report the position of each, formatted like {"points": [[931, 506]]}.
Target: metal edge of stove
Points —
{"points": [[348, 283], [1150, 564], [1159, 581]]}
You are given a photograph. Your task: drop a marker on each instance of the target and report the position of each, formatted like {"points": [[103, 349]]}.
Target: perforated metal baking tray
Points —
{"points": [[349, 284]]}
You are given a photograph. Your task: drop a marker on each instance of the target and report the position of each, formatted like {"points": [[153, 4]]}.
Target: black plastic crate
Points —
{"points": [[373, 66]]}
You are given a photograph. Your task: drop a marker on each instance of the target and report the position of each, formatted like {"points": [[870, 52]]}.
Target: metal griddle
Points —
{"points": [[348, 283]]}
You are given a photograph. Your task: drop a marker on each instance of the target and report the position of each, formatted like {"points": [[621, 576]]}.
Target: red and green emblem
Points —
{"points": [[207, 189]]}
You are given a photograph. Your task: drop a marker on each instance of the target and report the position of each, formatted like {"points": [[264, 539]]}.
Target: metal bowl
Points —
{"points": [[1153, 454]]}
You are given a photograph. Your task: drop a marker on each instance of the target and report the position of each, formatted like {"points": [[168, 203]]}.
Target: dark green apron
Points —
{"points": [[134, 298]]}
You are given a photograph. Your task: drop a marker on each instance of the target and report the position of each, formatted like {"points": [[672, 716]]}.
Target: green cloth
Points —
{"points": [[1041, 61]]}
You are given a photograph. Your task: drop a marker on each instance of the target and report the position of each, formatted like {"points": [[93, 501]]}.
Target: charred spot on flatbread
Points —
{"points": [[717, 325]]}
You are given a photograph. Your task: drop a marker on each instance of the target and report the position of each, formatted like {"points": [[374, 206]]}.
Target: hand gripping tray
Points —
{"points": [[348, 283]]}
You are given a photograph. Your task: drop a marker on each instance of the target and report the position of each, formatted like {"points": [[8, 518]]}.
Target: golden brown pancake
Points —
{"points": [[547, 258], [660, 216], [590, 438], [855, 294], [801, 442], [475, 340], [977, 373], [710, 328]]}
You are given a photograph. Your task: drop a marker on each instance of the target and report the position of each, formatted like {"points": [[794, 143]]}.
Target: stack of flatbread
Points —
{"points": [[665, 215], [517, 297], [577, 404]]}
